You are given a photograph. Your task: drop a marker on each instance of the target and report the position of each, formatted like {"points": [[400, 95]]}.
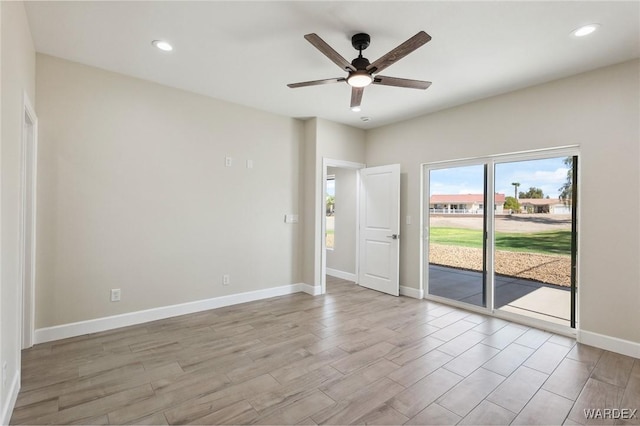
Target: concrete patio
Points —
{"points": [[534, 299]]}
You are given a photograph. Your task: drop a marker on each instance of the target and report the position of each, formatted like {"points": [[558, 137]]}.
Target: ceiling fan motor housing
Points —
{"points": [[360, 63]]}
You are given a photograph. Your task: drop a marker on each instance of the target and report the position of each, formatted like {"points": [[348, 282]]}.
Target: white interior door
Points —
{"points": [[379, 245]]}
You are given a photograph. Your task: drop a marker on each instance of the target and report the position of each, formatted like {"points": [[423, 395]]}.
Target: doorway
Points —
{"points": [[377, 249], [341, 223], [28, 221], [501, 235], [339, 251]]}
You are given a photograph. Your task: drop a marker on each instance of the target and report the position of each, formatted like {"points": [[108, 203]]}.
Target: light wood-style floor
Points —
{"points": [[353, 356]]}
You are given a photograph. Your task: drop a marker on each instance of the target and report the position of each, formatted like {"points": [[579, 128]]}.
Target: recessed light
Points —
{"points": [[356, 109], [585, 30], [162, 45]]}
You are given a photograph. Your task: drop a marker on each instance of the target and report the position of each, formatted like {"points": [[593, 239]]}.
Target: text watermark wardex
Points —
{"points": [[610, 413]]}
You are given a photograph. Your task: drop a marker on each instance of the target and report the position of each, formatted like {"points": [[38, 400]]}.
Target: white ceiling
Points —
{"points": [[246, 52]]}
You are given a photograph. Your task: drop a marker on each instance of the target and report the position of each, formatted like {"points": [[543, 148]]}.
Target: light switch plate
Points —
{"points": [[291, 218], [115, 294]]}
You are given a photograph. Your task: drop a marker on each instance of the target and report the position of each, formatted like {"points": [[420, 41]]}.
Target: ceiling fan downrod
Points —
{"points": [[360, 42]]}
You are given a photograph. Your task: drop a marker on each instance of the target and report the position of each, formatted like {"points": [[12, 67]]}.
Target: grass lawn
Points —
{"points": [[547, 242]]}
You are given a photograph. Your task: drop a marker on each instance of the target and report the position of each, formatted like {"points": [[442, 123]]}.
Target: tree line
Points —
{"points": [[566, 190]]}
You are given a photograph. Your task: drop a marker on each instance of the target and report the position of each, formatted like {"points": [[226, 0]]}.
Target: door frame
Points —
{"points": [[491, 161], [329, 162], [28, 198]]}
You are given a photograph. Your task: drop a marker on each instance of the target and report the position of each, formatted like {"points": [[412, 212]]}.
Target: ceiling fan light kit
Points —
{"points": [[359, 79], [361, 71]]}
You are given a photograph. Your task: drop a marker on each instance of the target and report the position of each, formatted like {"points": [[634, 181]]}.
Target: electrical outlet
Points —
{"points": [[228, 161], [226, 279], [115, 294], [4, 374]]}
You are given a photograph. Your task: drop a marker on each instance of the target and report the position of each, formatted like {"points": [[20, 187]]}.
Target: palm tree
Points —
{"points": [[515, 189], [331, 204], [566, 190]]}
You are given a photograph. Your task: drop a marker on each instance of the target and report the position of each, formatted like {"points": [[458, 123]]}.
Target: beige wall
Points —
{"points": [[310, 261], [599, 111], [343, 256], [17, 78], [340, 142], [324, 139], [133, 193]]}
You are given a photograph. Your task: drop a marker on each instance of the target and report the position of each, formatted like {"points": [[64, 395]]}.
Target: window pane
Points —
{"points": [[456, 229], [533, 239]]}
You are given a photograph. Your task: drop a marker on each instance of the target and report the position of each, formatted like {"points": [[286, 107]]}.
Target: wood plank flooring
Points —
{"points": [[353, 356]]}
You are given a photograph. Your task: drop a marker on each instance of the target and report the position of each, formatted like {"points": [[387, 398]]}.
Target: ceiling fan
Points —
{"points": [[363, 73]]}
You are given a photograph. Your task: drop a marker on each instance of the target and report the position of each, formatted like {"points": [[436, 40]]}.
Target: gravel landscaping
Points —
{"points": [[550, 269], [546, 268]]}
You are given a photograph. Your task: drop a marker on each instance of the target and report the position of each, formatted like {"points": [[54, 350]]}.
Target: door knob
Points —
{"points": [[393, 236]]}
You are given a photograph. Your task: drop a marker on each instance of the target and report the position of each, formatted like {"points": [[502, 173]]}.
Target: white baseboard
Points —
{"points": [[613, 344], [313, 290], [411, 292], [10, 399], [64, 331], [341, 274], [625, 347]]}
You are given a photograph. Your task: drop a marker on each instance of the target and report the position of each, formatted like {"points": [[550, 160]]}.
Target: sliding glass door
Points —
{"points": [[534, 239], [517, 257], [457, 244]]}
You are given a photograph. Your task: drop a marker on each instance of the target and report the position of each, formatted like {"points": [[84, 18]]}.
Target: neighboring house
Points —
{"points": [[544, 205], [463, 203]]}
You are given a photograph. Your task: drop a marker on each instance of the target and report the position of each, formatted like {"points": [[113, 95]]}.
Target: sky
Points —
{"points": [[547, 174], [331, 187]]}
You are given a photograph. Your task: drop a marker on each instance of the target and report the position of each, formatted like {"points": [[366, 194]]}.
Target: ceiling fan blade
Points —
{"points": [[328, 51], [399, 52], [316, 82], [356, 96], [401, 82]]}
